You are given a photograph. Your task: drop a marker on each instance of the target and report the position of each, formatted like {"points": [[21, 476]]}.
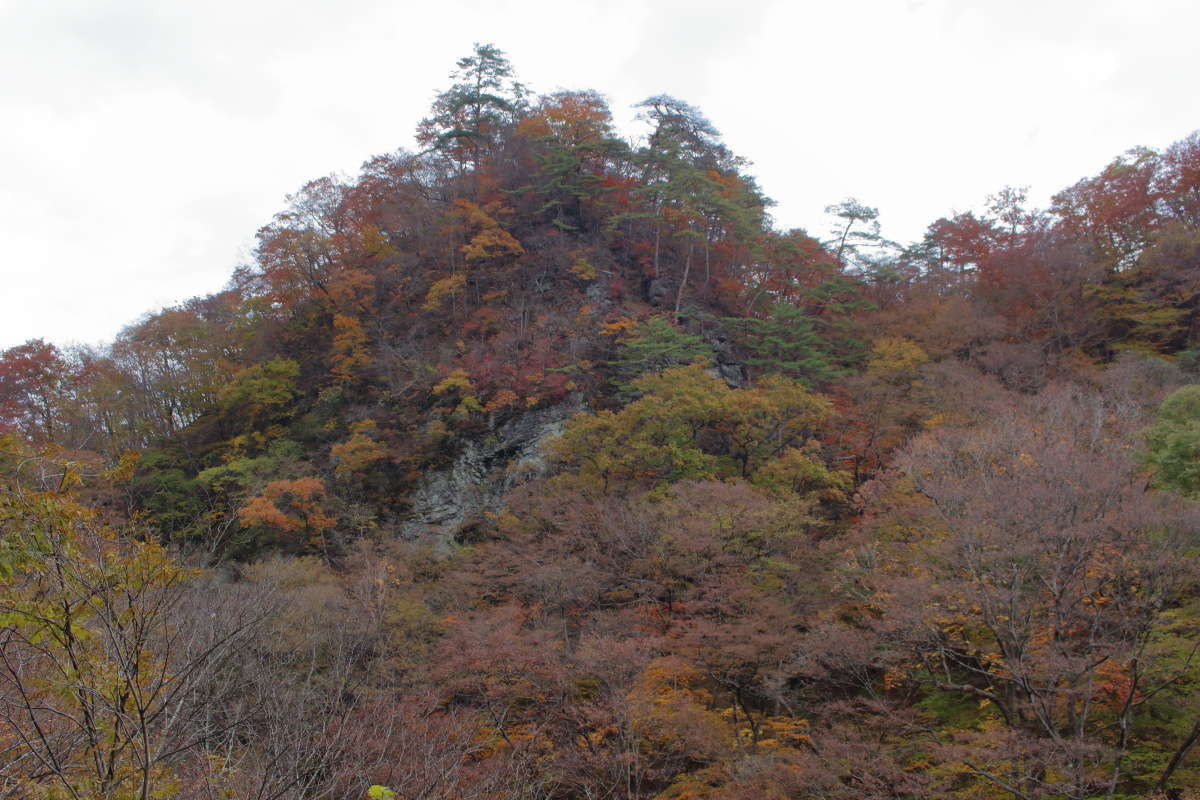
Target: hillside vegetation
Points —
{"points": [[539, 464]]}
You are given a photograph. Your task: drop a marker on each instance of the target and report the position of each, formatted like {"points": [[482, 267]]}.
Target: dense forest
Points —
{"points": [[540, 464]]}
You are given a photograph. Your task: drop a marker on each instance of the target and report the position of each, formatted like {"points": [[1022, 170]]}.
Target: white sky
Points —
{"points": [[142, 142]]}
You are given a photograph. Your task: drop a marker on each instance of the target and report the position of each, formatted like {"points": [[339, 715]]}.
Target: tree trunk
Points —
{"points": [[1178, 757], [687, 268]]}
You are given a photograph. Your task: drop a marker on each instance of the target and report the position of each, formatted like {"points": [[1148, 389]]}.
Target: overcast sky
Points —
{"points": [[142, 142]]}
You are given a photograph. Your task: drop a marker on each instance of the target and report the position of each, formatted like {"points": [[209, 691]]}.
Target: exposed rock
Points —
{"points": [[722, 346], [595, 294], [725, 358], [658, 293], [733, 374], [448, 500]]}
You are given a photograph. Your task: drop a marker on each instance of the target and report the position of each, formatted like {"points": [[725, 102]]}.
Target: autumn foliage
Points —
{"points": [[539, 464]]}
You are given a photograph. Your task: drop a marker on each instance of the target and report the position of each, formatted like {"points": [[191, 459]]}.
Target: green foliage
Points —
{"points": [[688, 424], [171, 498], [260, 395], [1173, 443], [655, 345], [954, 710], [1167, 716], [1140, 320], [856, 239], [240, 474], [801, 471], [458, 385], [573, 131], [182, 506], [466, 118], [787, 342], [87, 614], [1156, 305], [651, 440], [34, 526]]}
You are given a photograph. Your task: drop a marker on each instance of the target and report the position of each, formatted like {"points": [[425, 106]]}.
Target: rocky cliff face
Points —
{"points": [[726, 364], [449, 500]]}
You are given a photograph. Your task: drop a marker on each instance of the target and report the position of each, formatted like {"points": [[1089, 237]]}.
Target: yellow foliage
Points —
{"points": [[507, 519], [672, 710], [468, 404], [801, 471], [458, 381], [894, 357], [783, 732], [374, 242], [934, 421], [490, 241], [441, 290], [490, 244], [583, 269], [123, 471], [81, 606], [620, 327], [474, 215]]}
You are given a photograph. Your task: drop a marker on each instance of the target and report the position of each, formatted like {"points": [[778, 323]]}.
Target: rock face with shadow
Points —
{"points": [[448, 501], [726, 364]]}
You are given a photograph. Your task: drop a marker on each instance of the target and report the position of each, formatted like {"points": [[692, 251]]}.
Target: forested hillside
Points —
{"points": [[537, 463]]}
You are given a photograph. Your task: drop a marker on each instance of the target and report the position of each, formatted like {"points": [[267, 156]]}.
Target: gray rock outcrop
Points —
{"points": [[448, 500]]}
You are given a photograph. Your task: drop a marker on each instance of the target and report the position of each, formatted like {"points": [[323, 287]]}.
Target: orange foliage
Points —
{"points": [[502, 399], [359, 451], [290, 506], [350, 356]]}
